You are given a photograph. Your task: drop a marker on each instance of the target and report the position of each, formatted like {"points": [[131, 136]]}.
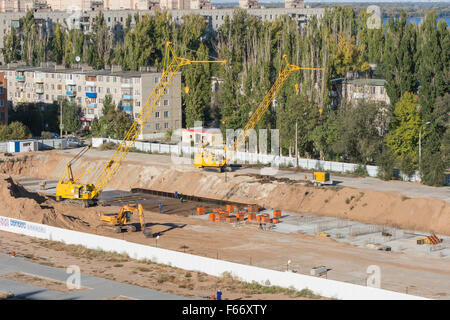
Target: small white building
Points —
{"points": [[209, 136], [15, 146]]}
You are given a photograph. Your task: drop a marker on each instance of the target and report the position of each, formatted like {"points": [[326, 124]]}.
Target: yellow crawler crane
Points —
{"points": [[70, 188], [208, 159]]}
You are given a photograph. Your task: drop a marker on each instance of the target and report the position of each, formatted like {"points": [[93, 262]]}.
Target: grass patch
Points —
{"points": [[82, 252], [256, 288]]}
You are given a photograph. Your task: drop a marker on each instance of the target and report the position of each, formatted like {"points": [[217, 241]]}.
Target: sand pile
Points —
{"points": [[19, 203]]}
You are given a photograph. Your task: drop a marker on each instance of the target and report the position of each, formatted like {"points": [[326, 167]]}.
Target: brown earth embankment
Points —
{"points": [[383, 208]]}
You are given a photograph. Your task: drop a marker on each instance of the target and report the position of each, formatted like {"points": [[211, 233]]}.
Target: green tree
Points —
{"points": [[71, 117], [14, 131], [403, 138]]}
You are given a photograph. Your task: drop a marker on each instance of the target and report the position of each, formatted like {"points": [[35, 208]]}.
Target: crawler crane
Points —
{"points": [[70, 187]]}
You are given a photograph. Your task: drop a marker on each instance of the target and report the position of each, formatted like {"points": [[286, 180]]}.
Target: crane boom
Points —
{"points": [[66, 189], [209, 159], [264, 105]]}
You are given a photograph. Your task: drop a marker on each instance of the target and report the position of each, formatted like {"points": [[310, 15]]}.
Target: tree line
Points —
{"points": [[414, 60]]}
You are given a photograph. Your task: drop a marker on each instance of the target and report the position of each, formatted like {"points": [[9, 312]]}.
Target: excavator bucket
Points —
{"points": [[147, 232]]}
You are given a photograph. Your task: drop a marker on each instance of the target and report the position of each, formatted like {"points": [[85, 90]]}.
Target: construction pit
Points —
{"points": [[345, 229]]}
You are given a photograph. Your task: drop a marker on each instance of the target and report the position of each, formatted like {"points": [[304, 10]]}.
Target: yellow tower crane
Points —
{"points": [[209, 159], [70, 188]]}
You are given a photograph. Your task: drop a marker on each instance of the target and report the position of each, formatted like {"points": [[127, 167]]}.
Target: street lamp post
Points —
{"points": [[420, 145]]}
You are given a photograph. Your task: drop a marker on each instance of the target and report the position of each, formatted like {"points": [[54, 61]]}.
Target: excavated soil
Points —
{"points": [[138, 171]]}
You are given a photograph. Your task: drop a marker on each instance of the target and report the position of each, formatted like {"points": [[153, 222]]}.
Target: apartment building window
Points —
{"points": [[157, 114], [1, 103], [100, 89], [138, 103], [157, 126], [79, 88], [108, 90], [100, 78], [382, 90], [46, 97], [114, 79], [166, 102], [156, 79], [107, 79], [166, 114], [166, 125], [137, 80], [59, 87], [136, 92], [53, 87]]}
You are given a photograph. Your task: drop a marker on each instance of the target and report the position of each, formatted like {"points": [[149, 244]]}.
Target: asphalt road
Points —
{"points": [[97, 288]]}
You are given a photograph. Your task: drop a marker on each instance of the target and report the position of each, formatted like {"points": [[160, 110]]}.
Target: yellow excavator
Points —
{"points": [[71, 188], [117, 222], [209, 159]]}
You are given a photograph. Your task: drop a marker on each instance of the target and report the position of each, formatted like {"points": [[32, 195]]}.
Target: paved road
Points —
{"points": [[98, 288], [408, 189]]}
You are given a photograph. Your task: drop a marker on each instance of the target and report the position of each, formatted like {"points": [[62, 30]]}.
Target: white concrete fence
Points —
{"points": [[214, 267], [266, 159], [43, 144]]}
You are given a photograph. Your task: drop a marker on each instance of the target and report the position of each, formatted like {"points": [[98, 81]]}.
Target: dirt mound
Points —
{"points": [[19, 203]]}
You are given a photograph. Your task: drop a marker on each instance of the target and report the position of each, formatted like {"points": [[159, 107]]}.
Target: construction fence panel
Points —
{"points": [[214, 267], [273, 160], [3, 146]]}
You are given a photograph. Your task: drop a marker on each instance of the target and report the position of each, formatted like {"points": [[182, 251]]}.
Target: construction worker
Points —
{"points": [[176, 195], [160, 207]]}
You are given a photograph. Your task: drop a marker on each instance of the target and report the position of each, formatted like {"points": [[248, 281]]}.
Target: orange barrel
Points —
{"points": [[252, 208], [224, 213], [200, 211], [231, 219], [240, 215], [275, 220], [265, 219], [230, 207], [212, 216], [277, 213], [258, 218], [217, 209], [251, 216]]}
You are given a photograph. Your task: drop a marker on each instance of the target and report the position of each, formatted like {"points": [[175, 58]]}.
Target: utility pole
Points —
{"points": [[296, 143], [60, 121], [420, 146]]}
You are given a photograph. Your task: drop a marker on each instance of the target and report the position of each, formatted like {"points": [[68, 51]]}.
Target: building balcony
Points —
{"points": [[91, 94], [39, 80], [39, 90], [127, 85], [20, 78], [92, 105], [127, 97], [71, 93], [126, 108], [70, 82], [91, 84]]}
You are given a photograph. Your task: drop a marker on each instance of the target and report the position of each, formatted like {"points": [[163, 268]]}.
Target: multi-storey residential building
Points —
{"points": [[116, 19], [16, 5], [3, 99], [357, 86], [87, 88], [248, 4]]}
